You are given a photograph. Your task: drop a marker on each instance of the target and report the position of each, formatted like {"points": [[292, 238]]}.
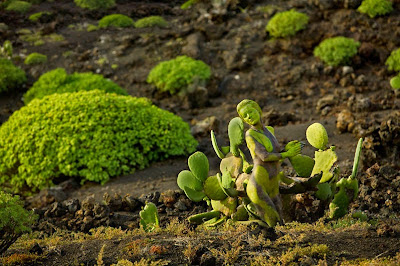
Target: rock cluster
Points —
{"points": [[115, 211]]}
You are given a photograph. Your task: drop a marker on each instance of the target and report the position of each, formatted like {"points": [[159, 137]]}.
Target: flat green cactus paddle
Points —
{"points": [[213, 189], [236, 135], [302, 164], [149, 219], [191, 186], [317, 136], [324, 161], [198, 165], [202, 217]]}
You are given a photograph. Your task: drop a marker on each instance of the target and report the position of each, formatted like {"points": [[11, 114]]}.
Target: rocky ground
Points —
{"points": [[294, 89]]}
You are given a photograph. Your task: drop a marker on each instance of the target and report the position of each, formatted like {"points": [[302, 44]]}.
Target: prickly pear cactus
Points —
{"points": [[317, 136], [236, 135]]}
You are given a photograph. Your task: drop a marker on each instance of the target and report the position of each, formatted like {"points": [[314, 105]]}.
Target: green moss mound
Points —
{"points": [[177, 74], [152, 21], [36, 16], [19, 6], [375, 8], [11, 76], [116, 20], [58, 81], [393, 61], [14, 220], [35, 59], [88, 134], [337, 50], [287, 23], [95, 4]]}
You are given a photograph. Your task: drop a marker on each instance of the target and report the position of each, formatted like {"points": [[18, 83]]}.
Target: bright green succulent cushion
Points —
{"points": [[91, 135], [58, 81]]}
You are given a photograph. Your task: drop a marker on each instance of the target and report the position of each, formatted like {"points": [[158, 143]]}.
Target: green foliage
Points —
{"points": [[14, 220], [58, 81], [317, 136], [6, 50], [88, 134], [177, 74], [36, 16], [375, 8], [337, 50], [10, 76], [35, 59], [286, 23], [395, 82], [95, 4], [115, 20], [151, 21], [19, 6], [188, 4], [393, 61], [149, 219]]}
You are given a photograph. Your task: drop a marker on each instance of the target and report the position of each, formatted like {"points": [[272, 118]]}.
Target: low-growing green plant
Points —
{"points": [[95, 4], [149, 219], [14, 220], [35, 59], [188, 4], [395, 82], [11, 76], [286, 23], [249, 193], [337, 50], [115, 20], [36, 16], [152, 21], [58, 81], [177, 74], [6, 50], [393, 61], [89, 135], [19, 6], [375, 8]]}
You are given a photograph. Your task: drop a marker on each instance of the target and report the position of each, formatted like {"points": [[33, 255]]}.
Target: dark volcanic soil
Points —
{"points": [[293, 87]]}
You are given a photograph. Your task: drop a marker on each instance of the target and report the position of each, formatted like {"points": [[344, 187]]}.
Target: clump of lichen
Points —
{"points": [[115, 20], [375, 8], [152, 21], [393, 61], [177, 74], [287, 23], [11, 76], [35, 59], [58, 81], [95, 4], [14, 220], [19, 6], [91, 135], [337, 50]]}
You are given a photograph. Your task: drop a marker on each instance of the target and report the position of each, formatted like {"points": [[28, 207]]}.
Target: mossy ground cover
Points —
{"points": [[175, 243], [293, 87]]}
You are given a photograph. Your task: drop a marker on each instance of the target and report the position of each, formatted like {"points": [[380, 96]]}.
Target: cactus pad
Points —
{"points": [[198, 164], [212, 188], [302, 164], [324, 161], [317, 136], [226, 206]]}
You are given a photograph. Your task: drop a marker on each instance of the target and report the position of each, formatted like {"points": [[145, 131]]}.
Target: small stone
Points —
{"points": [[345, 121], [88, 203], [327, 100], [347, 70], [181, 206], [72, 205], [204, 127]]}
